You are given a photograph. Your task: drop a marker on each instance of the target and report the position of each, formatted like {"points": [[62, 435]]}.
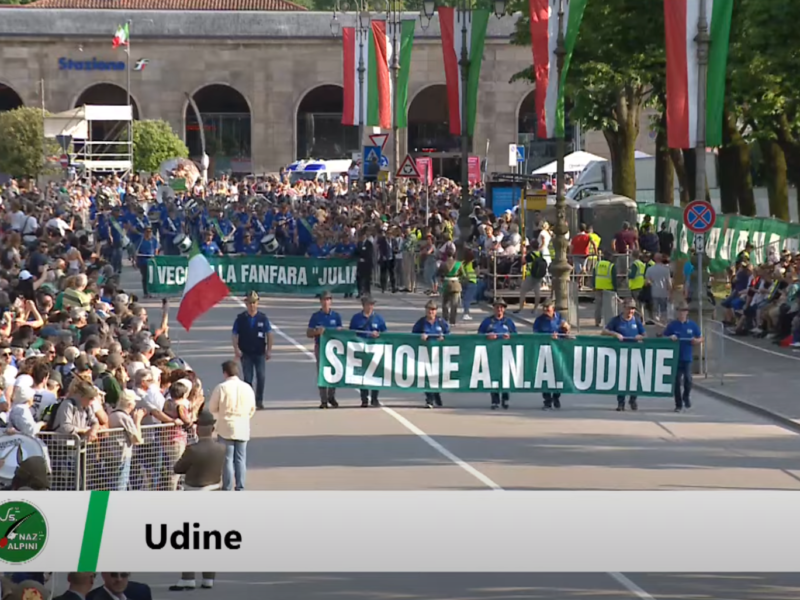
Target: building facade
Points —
{"points": [[267, 84]]}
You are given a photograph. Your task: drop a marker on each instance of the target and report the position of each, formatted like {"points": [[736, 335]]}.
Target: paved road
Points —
{"points": [[402, 446]]}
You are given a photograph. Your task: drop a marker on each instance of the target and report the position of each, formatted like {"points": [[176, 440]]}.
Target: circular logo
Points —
{"points": [[23, 532]]}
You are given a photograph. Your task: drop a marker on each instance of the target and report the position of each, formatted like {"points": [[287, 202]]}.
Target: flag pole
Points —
{"points": [[703, 42], [128, 92]]}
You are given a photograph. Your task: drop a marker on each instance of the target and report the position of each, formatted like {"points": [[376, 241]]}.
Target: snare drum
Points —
{"points": [[229, 247], [269, 244], [183, 243]]}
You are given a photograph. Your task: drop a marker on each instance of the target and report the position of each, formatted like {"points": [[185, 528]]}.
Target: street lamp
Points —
{"points": [[463, 13], [560, 268]]}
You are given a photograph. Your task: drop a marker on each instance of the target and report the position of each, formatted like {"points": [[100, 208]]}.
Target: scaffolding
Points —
{"points": [[111, 154]]}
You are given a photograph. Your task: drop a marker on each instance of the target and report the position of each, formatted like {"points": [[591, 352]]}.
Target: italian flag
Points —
{"points": [[549, 92], [121, 36], [454, 33], [203, 290], [683, 84], [374, 47]]}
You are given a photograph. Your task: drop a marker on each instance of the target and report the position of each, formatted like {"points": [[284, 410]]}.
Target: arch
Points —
{"points": [[319, 132], [429, 131], [228, 124], [9, 98], [538, 149], [108, 94]]}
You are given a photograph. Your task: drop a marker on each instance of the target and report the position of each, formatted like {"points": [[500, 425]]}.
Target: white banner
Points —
{"points": [[473, 531]]}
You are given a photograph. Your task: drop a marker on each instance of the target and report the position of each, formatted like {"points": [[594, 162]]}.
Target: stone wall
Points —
{"points": [[272, 59]]}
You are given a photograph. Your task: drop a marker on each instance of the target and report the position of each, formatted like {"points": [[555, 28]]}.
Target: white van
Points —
{"points": [[318, 170]]}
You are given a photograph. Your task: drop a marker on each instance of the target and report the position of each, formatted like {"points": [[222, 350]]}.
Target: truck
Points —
{"points": [[596, 179]]}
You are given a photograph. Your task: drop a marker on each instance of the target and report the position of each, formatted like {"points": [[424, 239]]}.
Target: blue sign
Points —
{"points": [[372, 154], [67, 64], [384, 162], [505, 198], [520, 153]]}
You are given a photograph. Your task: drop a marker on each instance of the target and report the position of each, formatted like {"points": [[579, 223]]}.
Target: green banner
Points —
{"points": [[264, 274], [728, 236], [473, 363]]}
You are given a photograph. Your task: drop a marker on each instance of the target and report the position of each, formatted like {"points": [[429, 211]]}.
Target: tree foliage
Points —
{"points": [[153, 143], [23, 149]]}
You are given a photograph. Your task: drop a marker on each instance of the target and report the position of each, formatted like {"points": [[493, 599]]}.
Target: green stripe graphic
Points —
{"points": [[401, 93], [93, 532], [373, 107], [477, 33]]}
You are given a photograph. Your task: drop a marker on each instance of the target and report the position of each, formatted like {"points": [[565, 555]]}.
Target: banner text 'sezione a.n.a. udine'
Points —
{"points": [[523, 363], [263, 274]]}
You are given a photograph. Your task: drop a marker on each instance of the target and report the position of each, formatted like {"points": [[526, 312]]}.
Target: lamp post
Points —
{"points": [[463, 13], [560, 268]]}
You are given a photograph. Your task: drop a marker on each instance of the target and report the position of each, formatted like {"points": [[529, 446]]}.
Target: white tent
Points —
{"points": [[573, 163]]}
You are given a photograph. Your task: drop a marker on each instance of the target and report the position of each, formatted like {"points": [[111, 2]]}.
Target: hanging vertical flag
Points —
{"points": [[680, 18], [120, 37], [454, 33], [549, 93], [401, 94]]}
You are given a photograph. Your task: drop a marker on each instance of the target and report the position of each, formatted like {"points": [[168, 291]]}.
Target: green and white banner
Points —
{"points": [[264, 274], [728, 236], [472, 363]]}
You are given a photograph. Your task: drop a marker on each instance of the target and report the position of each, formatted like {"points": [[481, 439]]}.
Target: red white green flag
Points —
{"points": [[454, 32], [683, 82], [121, 36], [203, 290], [549, 93], [374, 49]]}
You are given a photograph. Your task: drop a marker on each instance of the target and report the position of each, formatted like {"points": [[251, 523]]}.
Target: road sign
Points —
{"points": [[64, 141], [536, 200], [699, 242], [384, 162], [372, 154], [408, 169], [512, 155], [520, 154], [379, 140], [383, 175], [64, 160], [699, 216]]}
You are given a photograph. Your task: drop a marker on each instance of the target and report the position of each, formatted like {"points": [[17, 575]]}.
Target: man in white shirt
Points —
{"points": [[42, 397], [233, 404]]}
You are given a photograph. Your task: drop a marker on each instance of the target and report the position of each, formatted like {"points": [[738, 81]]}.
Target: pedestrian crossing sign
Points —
{"points": [[372, 154]]}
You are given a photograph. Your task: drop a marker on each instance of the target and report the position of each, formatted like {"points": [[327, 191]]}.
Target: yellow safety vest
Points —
{"points": [[603, 279], [472, 276], [637, 282], [596, 241], [527, 273]]}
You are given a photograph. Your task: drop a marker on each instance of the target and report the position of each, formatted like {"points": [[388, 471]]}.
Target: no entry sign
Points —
{"points": [[699, 216]]}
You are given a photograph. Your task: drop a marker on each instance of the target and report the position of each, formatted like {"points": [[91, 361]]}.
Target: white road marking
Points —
{"points": [[631, 586]]}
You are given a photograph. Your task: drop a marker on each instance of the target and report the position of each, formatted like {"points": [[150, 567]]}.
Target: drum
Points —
{"points": [[154, 216], [125, 240], [229, 247], [183, 243], [269, 244]]}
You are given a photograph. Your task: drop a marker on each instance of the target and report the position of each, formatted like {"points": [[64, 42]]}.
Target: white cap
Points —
{"points": [[22, 395], [24, 275]]}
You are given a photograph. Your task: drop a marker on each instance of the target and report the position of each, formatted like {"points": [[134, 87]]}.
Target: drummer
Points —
{"points": [[169, 229], [248, 246]]}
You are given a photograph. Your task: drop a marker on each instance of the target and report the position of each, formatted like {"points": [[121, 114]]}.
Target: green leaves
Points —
{"points": [[153, 143], [22, 144]]}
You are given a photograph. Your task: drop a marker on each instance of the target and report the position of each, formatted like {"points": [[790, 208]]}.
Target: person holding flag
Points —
{"points": [[203, 290]]}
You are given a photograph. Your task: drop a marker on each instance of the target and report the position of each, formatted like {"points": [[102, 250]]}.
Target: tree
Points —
{"points": [[153, 143], [23, 149], [619, 49]]}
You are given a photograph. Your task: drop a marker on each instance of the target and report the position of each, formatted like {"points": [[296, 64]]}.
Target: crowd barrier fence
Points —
{"points": [[113, 463]]}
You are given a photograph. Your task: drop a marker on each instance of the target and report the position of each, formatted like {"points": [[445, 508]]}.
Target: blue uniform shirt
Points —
{"points": [[437, 328], [147, 249], [544, 324], [252, 332], [331, 320], [367, 324], [685, 332], [499, 326], [628, 329], [210, 249]]}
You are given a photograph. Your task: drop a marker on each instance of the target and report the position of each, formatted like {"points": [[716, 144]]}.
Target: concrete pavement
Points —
{"points": [[402, 446]]}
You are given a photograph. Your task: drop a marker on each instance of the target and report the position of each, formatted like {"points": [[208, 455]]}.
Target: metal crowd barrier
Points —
{"points": [[112, 463], [714, 350]]}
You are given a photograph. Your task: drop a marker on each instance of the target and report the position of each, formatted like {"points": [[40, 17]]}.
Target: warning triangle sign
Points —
{"points": [[379, 139], [408, 169]]}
